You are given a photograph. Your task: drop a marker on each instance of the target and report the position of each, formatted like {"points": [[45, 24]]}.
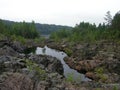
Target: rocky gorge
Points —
{"points": [[19, 71]]}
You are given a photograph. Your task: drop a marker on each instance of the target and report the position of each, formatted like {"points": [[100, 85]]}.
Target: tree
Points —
{"points": [[108, 18], [2, 27], [33, 31], [26, 30], [116, 26], [116, 21]]}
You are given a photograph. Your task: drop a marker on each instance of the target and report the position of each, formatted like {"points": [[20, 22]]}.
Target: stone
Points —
{"points": [[6, 50], [17, 46], [17, 81], [51, 63]]}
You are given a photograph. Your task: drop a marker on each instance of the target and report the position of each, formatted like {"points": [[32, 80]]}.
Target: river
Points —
{"points": [[60, 56]]}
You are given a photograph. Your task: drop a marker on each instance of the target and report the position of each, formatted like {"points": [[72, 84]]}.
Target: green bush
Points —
{"points": [[35, 67], [100, 72], [115, 88], [70, 77], [18, 38], [39, 40], [68, 51]]}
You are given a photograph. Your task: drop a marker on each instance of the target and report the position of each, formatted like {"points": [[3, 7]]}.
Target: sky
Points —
{"points": [[59, 12]]}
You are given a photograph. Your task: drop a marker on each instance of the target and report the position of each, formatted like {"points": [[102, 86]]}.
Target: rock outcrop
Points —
{"points": [[50, 63], [90, 57], [20, 71]]}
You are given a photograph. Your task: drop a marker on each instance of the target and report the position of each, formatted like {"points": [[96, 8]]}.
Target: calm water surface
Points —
{"points": [[60, 55]]}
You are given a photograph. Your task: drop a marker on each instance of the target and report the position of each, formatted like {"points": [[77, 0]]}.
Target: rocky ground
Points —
{"points": [[19, 71], [99, 61]]}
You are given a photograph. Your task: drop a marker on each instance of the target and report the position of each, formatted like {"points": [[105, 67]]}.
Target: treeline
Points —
{"points": [[23, 29], [86, 32], [46, 29]]}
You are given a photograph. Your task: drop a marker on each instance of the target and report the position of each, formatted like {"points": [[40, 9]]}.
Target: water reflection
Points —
{"points": [[44, 50], [60, 55]]}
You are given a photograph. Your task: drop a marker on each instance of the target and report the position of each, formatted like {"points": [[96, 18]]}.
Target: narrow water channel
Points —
{"points": [[60, 56]]}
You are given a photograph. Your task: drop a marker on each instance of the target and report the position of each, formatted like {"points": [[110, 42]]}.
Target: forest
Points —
{"points": [[22, 29], [44, 29], [83, 32], [87, 32]]}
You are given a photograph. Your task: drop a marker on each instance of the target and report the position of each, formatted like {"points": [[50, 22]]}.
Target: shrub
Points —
{"points": [[35, 67], [101, 75], [68, 51], [70, 77]]}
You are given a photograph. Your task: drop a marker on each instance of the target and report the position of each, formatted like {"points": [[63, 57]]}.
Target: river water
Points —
{"points": [[60, 56]]}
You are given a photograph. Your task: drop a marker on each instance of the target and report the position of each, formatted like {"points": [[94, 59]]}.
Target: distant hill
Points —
{"points": [[45, 29]]}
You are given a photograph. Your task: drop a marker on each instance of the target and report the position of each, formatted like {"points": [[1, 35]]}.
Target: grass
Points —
{"points": [[35, 67], [115, 88], [39, 40], [70, 78], [18, 38], [100, 72], [68, 51]]}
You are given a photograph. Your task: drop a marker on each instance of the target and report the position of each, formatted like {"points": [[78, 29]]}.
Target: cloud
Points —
{"points": [[64, 12]]}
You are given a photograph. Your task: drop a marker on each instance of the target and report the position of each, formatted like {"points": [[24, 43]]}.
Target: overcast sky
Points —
{"points": [[60, 12]]}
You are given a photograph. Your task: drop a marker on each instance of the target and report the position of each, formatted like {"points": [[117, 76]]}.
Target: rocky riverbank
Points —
{"points": [[99, 61], [19, 71], [29, 72]]}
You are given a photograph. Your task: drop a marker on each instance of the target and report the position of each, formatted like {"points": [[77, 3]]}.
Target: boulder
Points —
{"points": [[17, 46], [11, 64], [4, 42], [8, 51], [52, 64]]}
